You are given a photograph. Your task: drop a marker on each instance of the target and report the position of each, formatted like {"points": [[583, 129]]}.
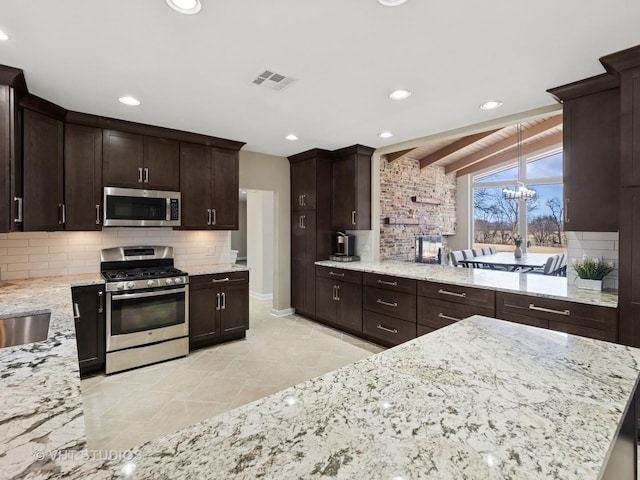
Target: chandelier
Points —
{"points": [[522, 193]]}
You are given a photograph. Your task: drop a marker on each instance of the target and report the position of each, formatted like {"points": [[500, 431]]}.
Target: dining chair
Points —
{"points": [[492, 250], [486, 251], [456, 257], [477, 252]]}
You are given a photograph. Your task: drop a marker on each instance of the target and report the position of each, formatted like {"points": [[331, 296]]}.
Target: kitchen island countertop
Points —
{"points": [[530, 284]]}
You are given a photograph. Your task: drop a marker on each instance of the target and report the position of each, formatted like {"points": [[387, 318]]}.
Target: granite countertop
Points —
{"points": [[479, 399], [530, 284], [211, 269]]}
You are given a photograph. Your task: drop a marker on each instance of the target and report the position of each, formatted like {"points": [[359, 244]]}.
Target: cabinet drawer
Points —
{"points": [[437, 314], [218, 279], [389, 282], [343, 275], [395, 304], [455, 293], [389, 329], [577, 318]]}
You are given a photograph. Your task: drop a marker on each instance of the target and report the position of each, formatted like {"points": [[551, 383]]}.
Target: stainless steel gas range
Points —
{"points": [[147, 302]]}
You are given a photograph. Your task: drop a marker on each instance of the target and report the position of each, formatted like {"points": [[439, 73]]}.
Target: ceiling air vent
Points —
{"points": [[273, 81]]}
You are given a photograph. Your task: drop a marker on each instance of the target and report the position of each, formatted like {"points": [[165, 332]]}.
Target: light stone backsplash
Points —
{"points": [[603, 245], [399, 181], [46, 254], [364, 244]]}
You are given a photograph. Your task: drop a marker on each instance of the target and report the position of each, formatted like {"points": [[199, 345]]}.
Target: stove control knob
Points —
{"points": [[178, 280], [131, 285], [169, 281], [150, 283], [120, 286]]}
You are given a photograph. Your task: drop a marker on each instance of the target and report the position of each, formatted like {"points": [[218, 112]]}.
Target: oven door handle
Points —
{"points": [[127, 296]]}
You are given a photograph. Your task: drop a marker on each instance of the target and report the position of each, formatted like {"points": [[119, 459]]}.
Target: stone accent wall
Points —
{"points": [[399, 181]]}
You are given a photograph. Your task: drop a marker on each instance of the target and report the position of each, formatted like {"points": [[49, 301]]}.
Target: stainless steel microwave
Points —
{"points": [[130, 207]]}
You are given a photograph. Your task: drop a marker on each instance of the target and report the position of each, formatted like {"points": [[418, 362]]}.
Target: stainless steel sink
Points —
{"points": [[25, 329]]}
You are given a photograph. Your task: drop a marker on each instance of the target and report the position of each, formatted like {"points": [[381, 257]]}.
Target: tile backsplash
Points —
{"points": [[45, 254], [604, 245]]}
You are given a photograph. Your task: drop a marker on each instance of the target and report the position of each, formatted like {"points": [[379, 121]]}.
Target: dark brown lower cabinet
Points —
{"points": [[218, 308], [89, 316], [560, 315], [434, 314], [339, 303]]}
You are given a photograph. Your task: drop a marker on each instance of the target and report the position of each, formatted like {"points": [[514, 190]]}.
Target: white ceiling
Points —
{"points": [[194, 72]]}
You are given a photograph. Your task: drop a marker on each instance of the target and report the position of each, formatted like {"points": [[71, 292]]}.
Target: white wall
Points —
{"points": [[463, 237], [603, 245], [239, 237], [260, 230], [45, 254]]}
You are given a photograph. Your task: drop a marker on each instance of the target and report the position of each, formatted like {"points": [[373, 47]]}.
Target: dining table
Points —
{"points": [[508, 261]]}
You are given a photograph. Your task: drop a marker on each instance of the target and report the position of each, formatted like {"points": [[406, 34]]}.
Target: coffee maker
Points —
{"points": [[345, 248]]}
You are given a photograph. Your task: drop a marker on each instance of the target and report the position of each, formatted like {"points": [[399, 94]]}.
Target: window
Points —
{"points": [[497, 220]]}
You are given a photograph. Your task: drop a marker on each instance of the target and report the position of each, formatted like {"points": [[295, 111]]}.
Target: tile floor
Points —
{"points": [[126, 409]]}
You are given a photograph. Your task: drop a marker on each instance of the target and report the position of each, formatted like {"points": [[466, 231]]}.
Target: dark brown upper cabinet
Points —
{"points": [[303, 185], [591, 157], [43, 195], [209, 184], [139, 161], [351, 188], [83, 177]]}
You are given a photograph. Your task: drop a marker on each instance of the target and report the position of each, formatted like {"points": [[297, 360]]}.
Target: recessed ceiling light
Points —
{"points": [[185, 6], [385, 135], [3, 36], [490, 105], [400, 94], [291, 137], [391, 3], [129, 101]]}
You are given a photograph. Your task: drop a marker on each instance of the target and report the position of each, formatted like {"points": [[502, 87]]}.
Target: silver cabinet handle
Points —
{"points": [[208, 216], [140, 175], [549, 310], [146, 175], [388, 304], [353, 217], [100, 306], [336, 274], [220, 280], [302, 221], [127, 296], [566, 211], [304, 199], [18, 218], [453, 294], [334, 292], [390, 330], [63, 215], [338, 292], [97, 214], [224, 301], [447, 317], [300, 200], [76, 312], [213, 216], [384, 282], [217, 301]]}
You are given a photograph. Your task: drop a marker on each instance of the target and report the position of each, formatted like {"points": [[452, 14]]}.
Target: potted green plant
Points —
{"points": [[591, 272], [517, 241]]}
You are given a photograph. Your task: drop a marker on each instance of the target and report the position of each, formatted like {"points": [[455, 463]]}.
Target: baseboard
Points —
{"points": [[261, 296], [282, 313]]}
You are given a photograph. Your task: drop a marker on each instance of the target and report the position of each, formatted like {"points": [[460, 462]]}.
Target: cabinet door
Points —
{"points": [[630, 124], [350, 305], [88, 306], [343, 211], [122, 159], [225, 194], [161, 164], [204, 321], [326, 303], [234, 313], [83, 177], [303, 185], [303, 256], [43, 181], [590, 170], [629, 281], [10, 180], [195, 185]]}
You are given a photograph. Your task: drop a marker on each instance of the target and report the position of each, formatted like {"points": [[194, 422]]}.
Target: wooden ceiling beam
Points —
{"points": [[396, 155], [544, 142], [504, 144], [454, 147]]}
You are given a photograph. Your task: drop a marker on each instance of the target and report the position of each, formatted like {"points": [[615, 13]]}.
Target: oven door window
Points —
{"points": [[132, 313], [136, 208]]}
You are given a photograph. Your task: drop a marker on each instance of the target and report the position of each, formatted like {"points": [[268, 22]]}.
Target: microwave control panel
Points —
{"points": [[175, 209]]}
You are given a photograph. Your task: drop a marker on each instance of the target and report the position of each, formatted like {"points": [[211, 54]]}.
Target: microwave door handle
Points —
{"points": [[127, 296]]}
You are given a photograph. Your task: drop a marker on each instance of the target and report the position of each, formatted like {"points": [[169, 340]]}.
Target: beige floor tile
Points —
{"points": [[100, 397], [212, 362], [179, 414], [180, 380], [137, 405], [216, 389], [251, 393]]}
